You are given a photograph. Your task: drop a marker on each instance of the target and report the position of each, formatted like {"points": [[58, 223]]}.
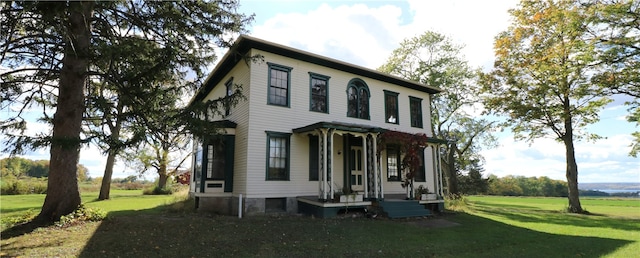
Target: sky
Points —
{"points": [[366, 32]]}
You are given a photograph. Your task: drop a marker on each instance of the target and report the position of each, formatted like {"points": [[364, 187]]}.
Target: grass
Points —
{"points": [[487, 227], [122, 201]]}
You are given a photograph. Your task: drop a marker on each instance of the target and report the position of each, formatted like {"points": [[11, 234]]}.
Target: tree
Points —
{"points": [[126, 99], [473, 183], [83, 173], [53, 54], [615, 31], [432, 59], [38, 168], [49, 47], [506, 186], [540, 79]]}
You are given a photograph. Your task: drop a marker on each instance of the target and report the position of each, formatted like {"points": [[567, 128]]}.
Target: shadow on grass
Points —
{"points": [[506, 206], [561, 218], [203, 235], [10, 210], [22, 229], [156, 232]]}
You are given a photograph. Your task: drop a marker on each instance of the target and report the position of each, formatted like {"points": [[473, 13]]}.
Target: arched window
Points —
{"points": [[358, 99]]}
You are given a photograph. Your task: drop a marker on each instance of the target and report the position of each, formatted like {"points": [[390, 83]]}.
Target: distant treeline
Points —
{"points": [[16, 167], [526, 186], [630, 193], [474, 184]]}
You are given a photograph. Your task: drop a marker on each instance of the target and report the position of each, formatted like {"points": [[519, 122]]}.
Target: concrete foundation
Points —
{"points": [[252, 206]]}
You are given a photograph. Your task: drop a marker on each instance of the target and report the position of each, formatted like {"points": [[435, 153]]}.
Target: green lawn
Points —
{"points": [[122, 201], [488, 227]]}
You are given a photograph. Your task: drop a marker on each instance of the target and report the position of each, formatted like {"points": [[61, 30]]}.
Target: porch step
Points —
{"points": [[404, 208]]}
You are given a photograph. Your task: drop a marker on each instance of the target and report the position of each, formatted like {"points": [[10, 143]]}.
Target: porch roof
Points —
{"points": [[356, 128], [223, 124]]}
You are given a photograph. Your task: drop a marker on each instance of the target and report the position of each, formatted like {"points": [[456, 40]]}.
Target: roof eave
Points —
{"points": [[244, 43]]}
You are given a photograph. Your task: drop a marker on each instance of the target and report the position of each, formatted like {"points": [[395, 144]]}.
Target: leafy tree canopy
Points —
{"points": [[552, 75], [137, 48], [55, 52], [433, 59]]}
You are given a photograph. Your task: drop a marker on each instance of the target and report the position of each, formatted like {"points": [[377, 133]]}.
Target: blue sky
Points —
{"points": [[366, 32]]}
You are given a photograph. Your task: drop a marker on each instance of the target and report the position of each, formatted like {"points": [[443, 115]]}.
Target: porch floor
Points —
{"points": [[313, 206]]}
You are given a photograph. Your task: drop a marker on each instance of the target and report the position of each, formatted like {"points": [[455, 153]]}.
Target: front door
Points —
{"points": [[356, 165]]}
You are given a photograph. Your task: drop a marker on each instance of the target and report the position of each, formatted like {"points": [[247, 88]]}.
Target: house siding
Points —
{"points": [[254, 117], [265, 117], [240, 115]]}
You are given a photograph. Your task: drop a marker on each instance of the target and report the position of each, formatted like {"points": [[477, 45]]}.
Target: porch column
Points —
{"points": [[438, 170], [323, 163], [330, 161], [366, 165], [376, 173]]}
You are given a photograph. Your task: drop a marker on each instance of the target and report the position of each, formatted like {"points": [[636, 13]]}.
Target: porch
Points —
{"points": [[393, 206]]}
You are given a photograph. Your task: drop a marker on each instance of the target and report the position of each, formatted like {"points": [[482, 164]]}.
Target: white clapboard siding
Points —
{"points": [[240, 115], [262, 117]]}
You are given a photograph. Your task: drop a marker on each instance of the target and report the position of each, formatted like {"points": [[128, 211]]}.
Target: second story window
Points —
{"points": [[279, 82], [358, 99], [319, 87], [391, 107], [415, 108]]}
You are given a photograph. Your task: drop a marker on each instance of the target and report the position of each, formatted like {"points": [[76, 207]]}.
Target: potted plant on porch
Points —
{"points": [[350, 196], [422, 192]]}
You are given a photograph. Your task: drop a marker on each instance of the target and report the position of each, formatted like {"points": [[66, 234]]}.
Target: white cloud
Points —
{"points": [[473, 23], [603, 161], [353, 33], [366, 35]]}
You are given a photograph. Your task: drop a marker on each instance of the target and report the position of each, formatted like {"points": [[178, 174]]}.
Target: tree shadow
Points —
{"points": [[563, 218], [199, 235], [504, 240], [9, 210], [156, 232], [23, 228], [501, 205]]}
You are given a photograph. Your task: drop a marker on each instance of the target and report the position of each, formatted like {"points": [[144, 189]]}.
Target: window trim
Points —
{"points": [[273, 66], [287, 169], [398, 165], [386, 110], [317, 76], [353, 83], [417, 101], [210, 151], [229, 86]]}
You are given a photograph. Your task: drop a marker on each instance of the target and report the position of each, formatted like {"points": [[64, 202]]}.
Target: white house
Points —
{"points": [[306, 133]]}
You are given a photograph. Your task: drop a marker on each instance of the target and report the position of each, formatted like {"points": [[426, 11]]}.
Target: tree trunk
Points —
{"points": [[452, 177], [572, 166], [105, 187], [63, 196], [164, 162], [162, 176], [572, 172]]}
